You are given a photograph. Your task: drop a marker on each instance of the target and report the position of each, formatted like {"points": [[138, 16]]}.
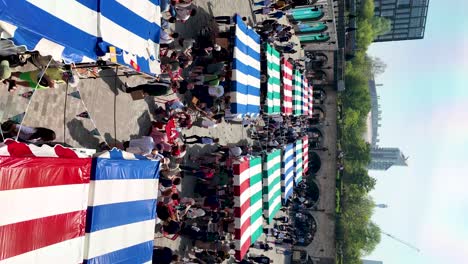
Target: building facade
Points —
{"points": [[371, 262], [408, 18], [384, 158]]}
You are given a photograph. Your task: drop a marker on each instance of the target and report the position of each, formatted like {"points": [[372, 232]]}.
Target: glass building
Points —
{"points": [[408, 18], [384, 158]]}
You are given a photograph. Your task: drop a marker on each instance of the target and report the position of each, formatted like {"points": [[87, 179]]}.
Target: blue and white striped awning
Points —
{"points": [[83, 30], [287, 172], [245, 94], [121, 211]]}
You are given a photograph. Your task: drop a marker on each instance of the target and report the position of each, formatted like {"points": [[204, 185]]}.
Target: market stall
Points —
{"points": [[287, 172], [273, 92], [245, 90], [247, 203], [271, 184], [298, 161], [86, 31], [286, 92]]}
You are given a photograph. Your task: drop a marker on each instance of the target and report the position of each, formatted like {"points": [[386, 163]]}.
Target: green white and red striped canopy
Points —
{"points": [[271, 184], [247, 203], [273, 97]]}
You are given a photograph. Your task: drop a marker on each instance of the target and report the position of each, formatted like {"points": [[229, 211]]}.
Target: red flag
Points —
{"points": [[134, 65]]}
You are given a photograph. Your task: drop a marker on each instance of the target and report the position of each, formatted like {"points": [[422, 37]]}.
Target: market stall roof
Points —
{"points": [[248, 219], [121, 209], [245, 93], [44, 194], [305, 97], [305, 154], [273, 97], [287, 77], [271, 184], [298, 161], [83, 31], [297, 94], [287, 171]]}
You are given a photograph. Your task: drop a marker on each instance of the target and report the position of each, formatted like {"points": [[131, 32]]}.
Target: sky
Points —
{"points": [[424, 104]]}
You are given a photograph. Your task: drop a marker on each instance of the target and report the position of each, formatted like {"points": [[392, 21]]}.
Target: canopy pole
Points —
{"points": [[115, 104]]}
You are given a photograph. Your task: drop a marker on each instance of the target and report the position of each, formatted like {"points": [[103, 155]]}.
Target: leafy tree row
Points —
{"points": [[356, 232]]}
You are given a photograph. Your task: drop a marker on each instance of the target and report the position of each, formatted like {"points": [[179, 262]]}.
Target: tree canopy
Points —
{"points": [[355, 230]]}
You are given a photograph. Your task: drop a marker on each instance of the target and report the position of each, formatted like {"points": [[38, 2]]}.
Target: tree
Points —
{"points": [[377, 65], [381, 25], [359, 176]]}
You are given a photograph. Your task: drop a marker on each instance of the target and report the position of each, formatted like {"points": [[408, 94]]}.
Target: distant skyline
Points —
{"points": [[425, 113]]}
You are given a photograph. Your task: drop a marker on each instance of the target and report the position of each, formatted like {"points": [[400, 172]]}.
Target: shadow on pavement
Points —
{"points": [[82, 135], [109, 76]]}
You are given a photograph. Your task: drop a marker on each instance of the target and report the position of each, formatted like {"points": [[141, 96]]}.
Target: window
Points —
{"points": [[403, 11], [418, 11], [419, 2], [415, 32], [403, 16], [388, 1], [415, 22], [387, 13], [398, 26], [403, 2], [400, 31], [402, 21], [400, 36]]}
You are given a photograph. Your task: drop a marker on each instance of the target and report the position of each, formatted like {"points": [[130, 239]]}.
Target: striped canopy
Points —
{"points": [[245, 90], [305, 154], [287, 171], [82, 31], [247, 203], [297, 94], [287, 78], [298, 161], [122, 209], [273, 103], [305, 97], [43, 196], [271, 184], [311, 100]]}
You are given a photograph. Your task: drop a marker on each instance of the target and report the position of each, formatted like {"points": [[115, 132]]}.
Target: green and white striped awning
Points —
{"points": [[298, 161], [297, 94], [271, 184], [273, 98], [256, 219]]}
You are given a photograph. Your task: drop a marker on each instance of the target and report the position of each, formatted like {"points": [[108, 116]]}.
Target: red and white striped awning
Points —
{"points": [[287, 77], [43, 196]]}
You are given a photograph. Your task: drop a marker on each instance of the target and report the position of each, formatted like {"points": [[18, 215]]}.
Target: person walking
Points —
{"points": [[201, 140]]}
